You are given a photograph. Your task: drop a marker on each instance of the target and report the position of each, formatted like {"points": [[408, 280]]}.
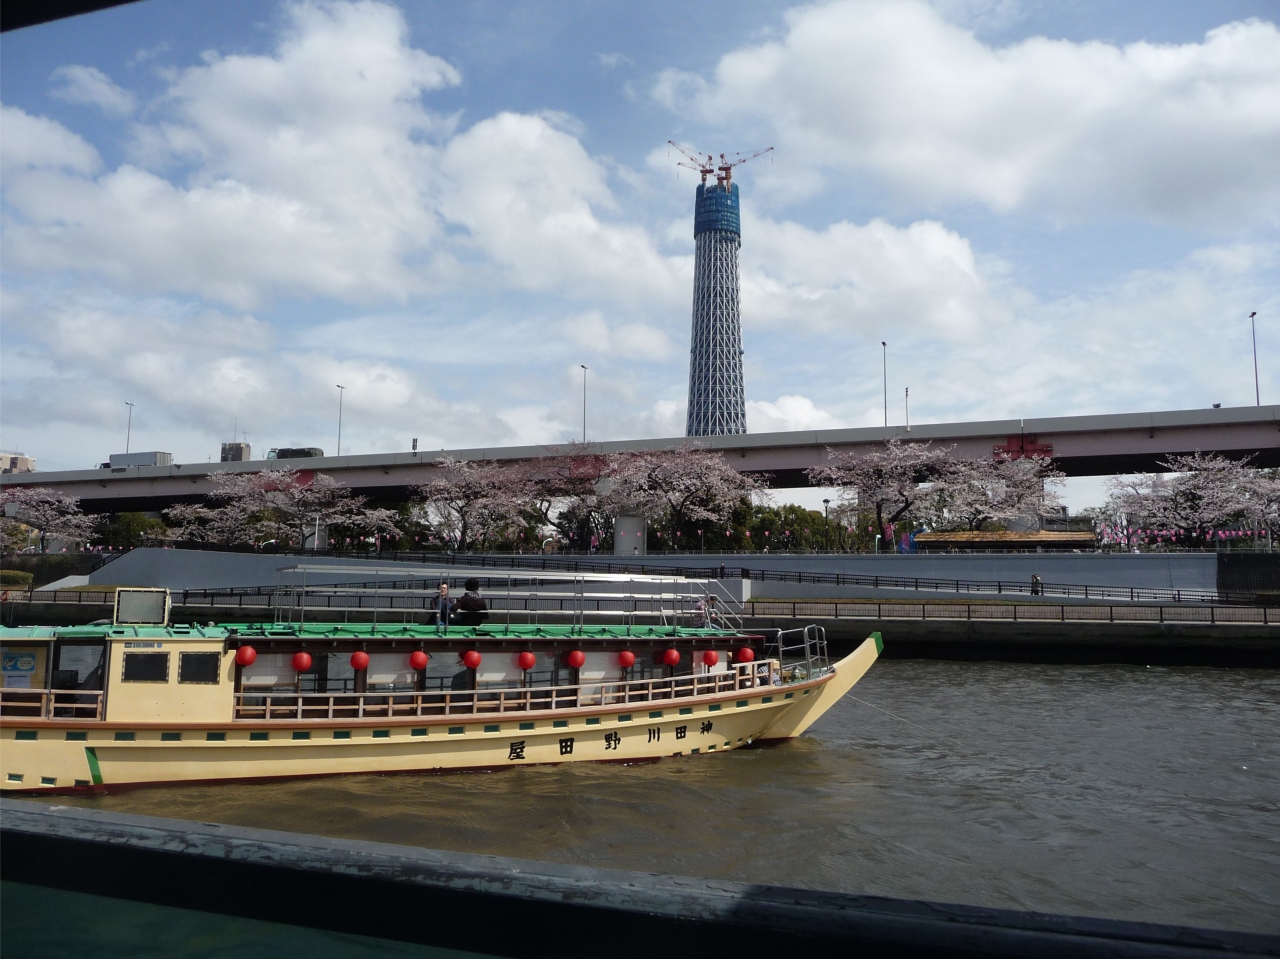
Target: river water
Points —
{"points": [[1117, 791]]}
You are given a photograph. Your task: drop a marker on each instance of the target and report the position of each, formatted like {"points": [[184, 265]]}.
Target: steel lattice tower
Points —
{"points": [[717, 404]]}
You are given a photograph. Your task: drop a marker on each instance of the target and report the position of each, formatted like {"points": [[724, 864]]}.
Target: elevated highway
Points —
{"points": [[1078, 445]]}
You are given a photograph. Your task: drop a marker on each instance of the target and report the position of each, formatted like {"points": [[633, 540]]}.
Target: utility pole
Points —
{"points": [[584, 404], [1257, 394], [885, 358], [342, 390], [128, 433], [906, 405]]}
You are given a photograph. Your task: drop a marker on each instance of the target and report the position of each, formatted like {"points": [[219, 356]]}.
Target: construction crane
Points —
{"points": [[708, 166]]}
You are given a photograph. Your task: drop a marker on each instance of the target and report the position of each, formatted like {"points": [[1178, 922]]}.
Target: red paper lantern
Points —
{"points": [[245, 656], [418, 660], [711, 657], [745, 655], [301, 662], [471, 659], [670, 657], [575, 658], [359, 659], [626, 659], [526, 660]]}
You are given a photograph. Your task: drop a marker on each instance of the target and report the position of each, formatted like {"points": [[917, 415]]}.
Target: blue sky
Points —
{"points": [[218, 211]]}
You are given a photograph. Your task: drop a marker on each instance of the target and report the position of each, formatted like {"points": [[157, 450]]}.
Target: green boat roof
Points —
{"points": [[390, 631]]}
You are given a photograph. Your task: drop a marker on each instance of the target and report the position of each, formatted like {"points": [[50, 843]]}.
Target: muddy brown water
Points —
{"points": [[1118, 791]]}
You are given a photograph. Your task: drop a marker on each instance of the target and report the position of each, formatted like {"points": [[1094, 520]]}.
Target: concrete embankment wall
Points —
{"points": [[1147, 570], [1141, 644]]}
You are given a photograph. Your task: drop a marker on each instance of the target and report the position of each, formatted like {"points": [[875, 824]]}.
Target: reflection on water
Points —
{"points": [[1114, 791]]}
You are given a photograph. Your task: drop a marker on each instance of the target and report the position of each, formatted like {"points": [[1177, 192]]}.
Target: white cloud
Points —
{"points": [[788, 413], [611, 61], [1187, 132], [308, 173], [528, 195], [39, 144], [636, 341], [867, 279], [318, 171], [191, 372], [89, 85]]}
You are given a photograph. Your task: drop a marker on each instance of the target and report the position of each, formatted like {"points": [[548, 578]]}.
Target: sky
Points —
{"points": [[218, 210]]}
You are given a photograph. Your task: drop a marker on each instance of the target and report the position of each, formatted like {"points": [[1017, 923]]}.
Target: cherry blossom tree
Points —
{"points": [[1264, 499], [973, 494], [564, 493], [281, 504], [678, 487], [1205, 493], [52, 515], [468, 500], [883, 482], [1201, 494], [1126, 516]]}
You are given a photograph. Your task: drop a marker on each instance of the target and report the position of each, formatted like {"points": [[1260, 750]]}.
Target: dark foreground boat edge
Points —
{"points": [[520, 908]]}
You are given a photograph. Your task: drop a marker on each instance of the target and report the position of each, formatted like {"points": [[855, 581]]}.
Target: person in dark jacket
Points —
{"points": [[472, 610], [443, 606]]}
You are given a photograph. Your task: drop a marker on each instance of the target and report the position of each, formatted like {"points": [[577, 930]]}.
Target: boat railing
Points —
{"points": [[802, 651], [273, 705], [51, 703]]}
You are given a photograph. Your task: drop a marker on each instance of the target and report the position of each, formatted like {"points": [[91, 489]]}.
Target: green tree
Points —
{"points": [[129, 530]]}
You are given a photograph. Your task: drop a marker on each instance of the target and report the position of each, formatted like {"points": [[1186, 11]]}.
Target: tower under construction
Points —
{"points": [[717, 404]]}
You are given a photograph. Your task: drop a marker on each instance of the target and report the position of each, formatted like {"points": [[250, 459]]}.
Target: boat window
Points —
{"points": [[146, 668], [199, 667], [79, 666], [22, 667]]}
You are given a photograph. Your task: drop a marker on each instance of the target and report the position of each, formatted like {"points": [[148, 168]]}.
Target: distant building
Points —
{"points": [[122, 460], [295, 453], [236, 453], [16, 462]]}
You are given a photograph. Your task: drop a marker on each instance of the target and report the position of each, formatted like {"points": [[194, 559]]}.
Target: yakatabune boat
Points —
{"points": [[90, 707]]}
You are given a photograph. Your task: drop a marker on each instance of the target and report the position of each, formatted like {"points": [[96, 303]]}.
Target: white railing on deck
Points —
{"points": [[499, 700]]}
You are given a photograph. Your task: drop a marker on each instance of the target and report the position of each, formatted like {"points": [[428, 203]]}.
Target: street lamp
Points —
{"points": [[342, 390], [906, 405], [128, 433], [826, 522], [1257, 395], [584, 404], [885, 360]]}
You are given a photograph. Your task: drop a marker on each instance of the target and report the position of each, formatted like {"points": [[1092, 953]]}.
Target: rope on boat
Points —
{"points": [[908, 722]]}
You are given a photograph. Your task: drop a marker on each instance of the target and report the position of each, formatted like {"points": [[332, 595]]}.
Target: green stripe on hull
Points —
{"points": [[95, 771]]}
